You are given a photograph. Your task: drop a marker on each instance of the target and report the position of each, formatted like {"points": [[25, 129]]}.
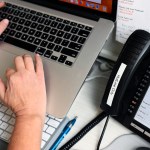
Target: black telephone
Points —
{"points": [[127, 94]]}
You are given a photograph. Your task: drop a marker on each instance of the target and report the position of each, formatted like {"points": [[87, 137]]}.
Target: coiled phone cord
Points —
{"points": [[83, 131]]}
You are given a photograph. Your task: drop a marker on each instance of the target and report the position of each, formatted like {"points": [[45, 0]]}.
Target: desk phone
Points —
{"points": [[127, 94]]}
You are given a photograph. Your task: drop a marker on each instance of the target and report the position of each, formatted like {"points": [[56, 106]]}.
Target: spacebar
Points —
{"points": [[21, 44]]}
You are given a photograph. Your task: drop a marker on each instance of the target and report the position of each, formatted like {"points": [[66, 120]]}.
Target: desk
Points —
{"points": [[86, 107]]}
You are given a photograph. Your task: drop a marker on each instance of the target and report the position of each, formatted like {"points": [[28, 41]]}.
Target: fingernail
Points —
{"points": [[6, 21]]}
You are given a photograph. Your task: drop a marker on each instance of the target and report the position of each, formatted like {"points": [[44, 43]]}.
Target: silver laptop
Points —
{"points": [[68, 34]]}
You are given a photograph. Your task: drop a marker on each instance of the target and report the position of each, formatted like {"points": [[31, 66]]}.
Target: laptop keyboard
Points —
{"points": [[55, 38], [7, 121]]}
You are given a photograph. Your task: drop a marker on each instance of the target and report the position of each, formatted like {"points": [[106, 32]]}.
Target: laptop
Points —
{"points": [[67, 60], [69, 35]]}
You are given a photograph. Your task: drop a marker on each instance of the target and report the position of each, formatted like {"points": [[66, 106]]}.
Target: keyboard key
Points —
{"points": [[31, 32], [1, 115], [47, 29], [44, 36], [47, 22], [75, 46], [48, 54], [12, 121], [62, 58], [9, 112], [69, 52], [34, 25], [50, 130], [51, 46], [58, 40], [12, 32], [5, 135], [1, 131], [45, 136], [38, 34], [22, 44], [10, 129], [80, 26], [54, 24], [73, 24], [3, 109], [19, 27], [66, 21], [18, 35], [54, 57], [69, 63], [67, 28], [67, 36], [88, 28], [45, 127], [74, 30], [81, 40], [65, 43], [84, 33], [40, 50], [41, 20], [57, 48], [53, 123], [30, 39], [24, 37], [44, 43], [25, 29], [51, 38], [6, 118], [37, 41], [53, 31], [3, 125], [60, 26], [74, 38], [43, 143]]}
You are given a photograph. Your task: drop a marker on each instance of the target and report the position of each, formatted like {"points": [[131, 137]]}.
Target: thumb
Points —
{"points": [[2, 89]]}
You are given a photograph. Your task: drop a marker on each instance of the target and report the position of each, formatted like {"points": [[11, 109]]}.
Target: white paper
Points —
{"points": [[132, 15]]}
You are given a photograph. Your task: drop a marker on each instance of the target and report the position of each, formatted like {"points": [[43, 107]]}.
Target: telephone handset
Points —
{"points": [[127, 91]]}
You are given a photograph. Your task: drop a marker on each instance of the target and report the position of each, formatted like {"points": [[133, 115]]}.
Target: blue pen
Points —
{"points": [[65, 131]]}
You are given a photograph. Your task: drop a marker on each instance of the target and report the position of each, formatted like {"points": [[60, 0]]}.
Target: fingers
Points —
{"points": [[19, 63], [39, 65], [2, 4], [2, 89], [9, 72], [3, 25], [28, 62]]}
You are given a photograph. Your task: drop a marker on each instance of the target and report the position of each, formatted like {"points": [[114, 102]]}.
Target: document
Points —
{"points": [[132, 15]]}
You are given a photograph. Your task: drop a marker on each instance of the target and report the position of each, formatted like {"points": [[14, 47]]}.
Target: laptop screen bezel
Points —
{"points": [[78, 10]]}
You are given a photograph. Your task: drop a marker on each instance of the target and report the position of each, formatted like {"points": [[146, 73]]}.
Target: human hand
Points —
{"points": [[25, 91], [4, 23]]}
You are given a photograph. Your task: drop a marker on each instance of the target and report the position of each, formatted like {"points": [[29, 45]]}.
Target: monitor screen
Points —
{"points": [[143, 113], [99, 5]]}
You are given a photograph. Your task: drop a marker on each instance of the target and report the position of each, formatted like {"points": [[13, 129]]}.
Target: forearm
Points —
{"points": [[27, 134]]}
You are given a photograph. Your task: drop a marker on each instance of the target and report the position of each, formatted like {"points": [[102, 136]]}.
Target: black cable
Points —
{"points": [[102, 134], [83, 131]]}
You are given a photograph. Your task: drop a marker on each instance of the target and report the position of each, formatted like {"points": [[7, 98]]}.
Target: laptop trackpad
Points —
{"points": [[6, 61]]}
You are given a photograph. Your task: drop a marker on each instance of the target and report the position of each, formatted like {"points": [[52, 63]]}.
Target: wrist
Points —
{"points": [[34, 119]]}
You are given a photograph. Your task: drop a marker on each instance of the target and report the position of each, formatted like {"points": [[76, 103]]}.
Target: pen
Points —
{"points": [[65, 131]]}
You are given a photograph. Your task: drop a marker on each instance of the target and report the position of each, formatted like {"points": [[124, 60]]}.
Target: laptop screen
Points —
{"points": [[98, 5], [91, 9]]}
